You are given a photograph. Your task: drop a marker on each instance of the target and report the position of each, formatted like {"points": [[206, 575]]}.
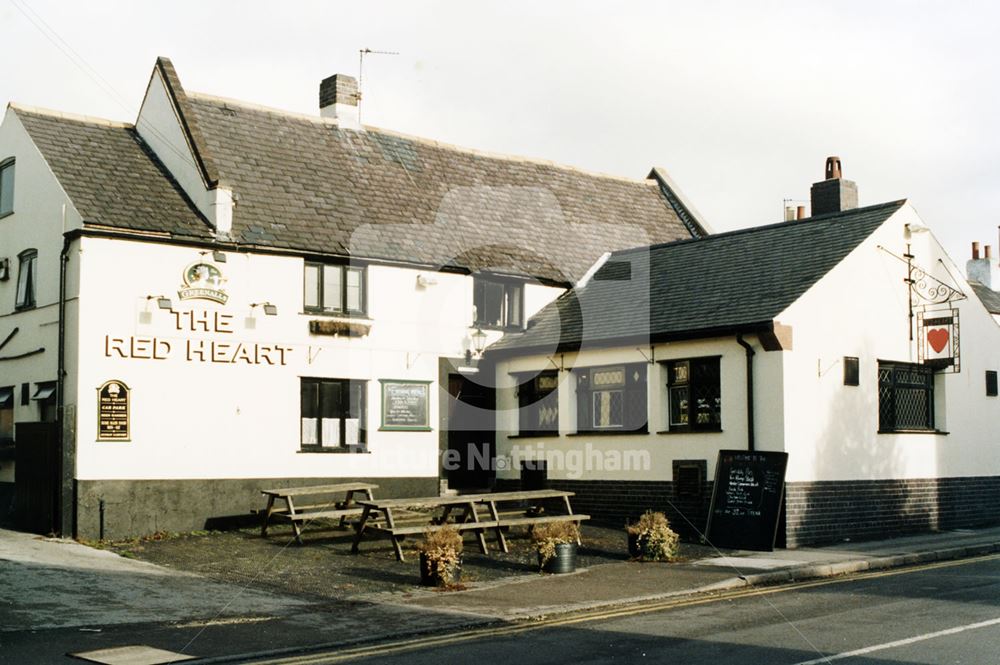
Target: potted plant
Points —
{"points": [[441, 557], [556, 546], [651, 538]]}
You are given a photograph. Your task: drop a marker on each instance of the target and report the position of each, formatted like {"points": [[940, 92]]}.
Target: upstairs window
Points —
{"points": [[905, 397], [499, 304], [611, 399], [333, 415], [694, 395], [45, 397], [6, 187], [6, 415], [26, 279], [538, 404], [334, 288]]}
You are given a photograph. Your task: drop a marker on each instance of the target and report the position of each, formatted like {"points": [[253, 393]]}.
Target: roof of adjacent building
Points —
{"points": [[989, 297], [111, 176], [718, 284], [308, 186]]}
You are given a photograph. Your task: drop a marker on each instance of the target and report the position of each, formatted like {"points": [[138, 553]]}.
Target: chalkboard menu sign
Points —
{"points": [[746, 499], [113, 412], [405, 405]]}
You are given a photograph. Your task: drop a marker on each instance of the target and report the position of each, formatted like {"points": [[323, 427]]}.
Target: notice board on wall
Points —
{"points": [[746, 499]]}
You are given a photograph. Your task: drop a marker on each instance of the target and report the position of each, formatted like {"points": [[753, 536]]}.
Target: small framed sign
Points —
{"points": [[113, 409], [405, 405]]}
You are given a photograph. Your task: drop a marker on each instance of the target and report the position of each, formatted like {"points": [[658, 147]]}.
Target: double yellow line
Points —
{"points": [[426, 642]]}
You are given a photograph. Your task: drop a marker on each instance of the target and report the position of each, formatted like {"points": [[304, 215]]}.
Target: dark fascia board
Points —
{"points": [[179, 99], [199, 242], [686, 335]]}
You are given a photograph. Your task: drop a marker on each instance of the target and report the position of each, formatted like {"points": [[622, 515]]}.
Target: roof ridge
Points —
{"points": [[75, 117], [422, 140], [754, 229]]}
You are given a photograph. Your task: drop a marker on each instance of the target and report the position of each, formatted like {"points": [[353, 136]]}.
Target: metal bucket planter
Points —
{"points": [[429, 576], [634, 549], [564, 560]]}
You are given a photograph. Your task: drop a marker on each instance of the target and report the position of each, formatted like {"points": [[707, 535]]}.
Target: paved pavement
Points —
{"points": [[59, 596]]}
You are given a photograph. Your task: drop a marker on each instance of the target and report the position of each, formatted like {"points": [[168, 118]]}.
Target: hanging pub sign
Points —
{"points": [[938, 339], [405, 405], [113, 422]]}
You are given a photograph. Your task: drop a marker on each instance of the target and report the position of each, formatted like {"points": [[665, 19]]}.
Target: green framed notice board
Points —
{"points": [[405, 405]]}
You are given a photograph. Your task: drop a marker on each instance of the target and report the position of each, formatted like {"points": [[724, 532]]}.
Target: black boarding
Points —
{"points": [[746, 499]]}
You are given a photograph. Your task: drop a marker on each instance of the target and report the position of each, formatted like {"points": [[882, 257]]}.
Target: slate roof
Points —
{"points": [[306, 184], [111, 176], [719, 284], [989, 297]]}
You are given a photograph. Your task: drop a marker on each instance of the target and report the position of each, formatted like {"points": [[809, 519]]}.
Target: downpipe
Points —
{"points": [[750, 354], [67, 525]]}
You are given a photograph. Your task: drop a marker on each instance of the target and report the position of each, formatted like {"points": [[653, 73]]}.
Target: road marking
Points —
{"points": [[342, 654], [900, 643]]}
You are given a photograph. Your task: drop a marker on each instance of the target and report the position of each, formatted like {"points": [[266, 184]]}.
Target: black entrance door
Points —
{"points": [[471, 423], [36, 477]]}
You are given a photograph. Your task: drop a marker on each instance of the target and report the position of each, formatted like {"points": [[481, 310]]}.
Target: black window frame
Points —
{"points": [[510, 291], [536, 392], [852, 371], [634, 400], [29, 298], [7, 206], [45, 396], [899, 383], [991, 383], [344, 269], [701, 379], [311, 401]]}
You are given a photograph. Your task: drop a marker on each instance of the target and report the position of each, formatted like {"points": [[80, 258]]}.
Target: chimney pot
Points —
{"points": [[800, 212], [975, 250], [987, 252], [833, 169], [833, 194]]}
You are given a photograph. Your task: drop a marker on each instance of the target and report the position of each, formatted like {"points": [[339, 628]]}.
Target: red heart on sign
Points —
{"points": [[938, 339]]}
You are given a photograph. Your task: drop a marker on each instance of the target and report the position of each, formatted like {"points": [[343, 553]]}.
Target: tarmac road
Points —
{"points": [[932, 614]]}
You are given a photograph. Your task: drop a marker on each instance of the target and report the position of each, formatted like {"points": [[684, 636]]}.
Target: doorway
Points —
{"points": [[471, 423]]}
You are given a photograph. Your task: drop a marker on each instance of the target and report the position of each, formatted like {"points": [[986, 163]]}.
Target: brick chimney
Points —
{"points": [[833, 194], [338, 99], [983, 269]]}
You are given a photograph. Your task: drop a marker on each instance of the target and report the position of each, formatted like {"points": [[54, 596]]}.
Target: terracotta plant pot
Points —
{"points": [[563, 562], [429, 577]]}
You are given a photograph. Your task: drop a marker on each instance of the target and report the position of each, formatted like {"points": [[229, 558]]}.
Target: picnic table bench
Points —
{"points": [[469, 519], [329, 509]]}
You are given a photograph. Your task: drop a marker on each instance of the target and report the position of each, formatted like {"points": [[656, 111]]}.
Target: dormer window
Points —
{"points": [[6, 187]]}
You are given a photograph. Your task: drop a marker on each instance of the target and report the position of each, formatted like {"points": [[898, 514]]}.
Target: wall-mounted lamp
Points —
{"points": [[269, 309], [162, 302], [479, 342], [217, 255], [914, 227]]}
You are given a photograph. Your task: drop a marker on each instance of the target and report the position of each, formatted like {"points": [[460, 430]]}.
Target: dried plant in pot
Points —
{"points": [[652, 539], [441, 557], [556, 546]]}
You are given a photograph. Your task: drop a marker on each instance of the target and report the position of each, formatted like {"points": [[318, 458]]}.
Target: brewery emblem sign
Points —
{"points": [[203, 281]]}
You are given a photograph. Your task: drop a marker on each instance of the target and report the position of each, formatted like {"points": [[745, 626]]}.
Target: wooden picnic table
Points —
{"points": [[330, 509], [468, 520]]}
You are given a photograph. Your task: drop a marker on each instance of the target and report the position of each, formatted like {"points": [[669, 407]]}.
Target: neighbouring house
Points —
{"points": [[222, 297], [848, 340]]}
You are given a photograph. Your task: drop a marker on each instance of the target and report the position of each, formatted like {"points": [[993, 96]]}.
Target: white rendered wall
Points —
{"points": [[194, 419], [659, 449], [860, 309], [37, 223]]}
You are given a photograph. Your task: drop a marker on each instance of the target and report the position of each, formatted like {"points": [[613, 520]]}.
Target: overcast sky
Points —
{"points": [[740, 101]]}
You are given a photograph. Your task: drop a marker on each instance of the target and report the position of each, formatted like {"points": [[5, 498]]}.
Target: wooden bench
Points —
{"points": [[533, 515], [300, 515]]}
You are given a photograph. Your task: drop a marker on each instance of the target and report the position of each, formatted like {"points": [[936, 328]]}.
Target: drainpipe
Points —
{"points": [[66, 457], [750, 354]]}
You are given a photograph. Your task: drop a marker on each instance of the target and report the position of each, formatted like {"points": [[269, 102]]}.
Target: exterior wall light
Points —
{"points": [[479, 342], [162, 302], [217, 255], [269, 309]]}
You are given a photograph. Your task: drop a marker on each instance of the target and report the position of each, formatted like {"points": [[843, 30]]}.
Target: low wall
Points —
{"points": [[142, 507]]}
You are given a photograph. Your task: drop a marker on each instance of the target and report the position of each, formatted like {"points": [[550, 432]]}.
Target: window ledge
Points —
{"points": [[340, 327], [486, 326], [690, 431], [914, 431], [359, 317], [641, 432], [6, 214], [547, 435], [335, 451]]}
